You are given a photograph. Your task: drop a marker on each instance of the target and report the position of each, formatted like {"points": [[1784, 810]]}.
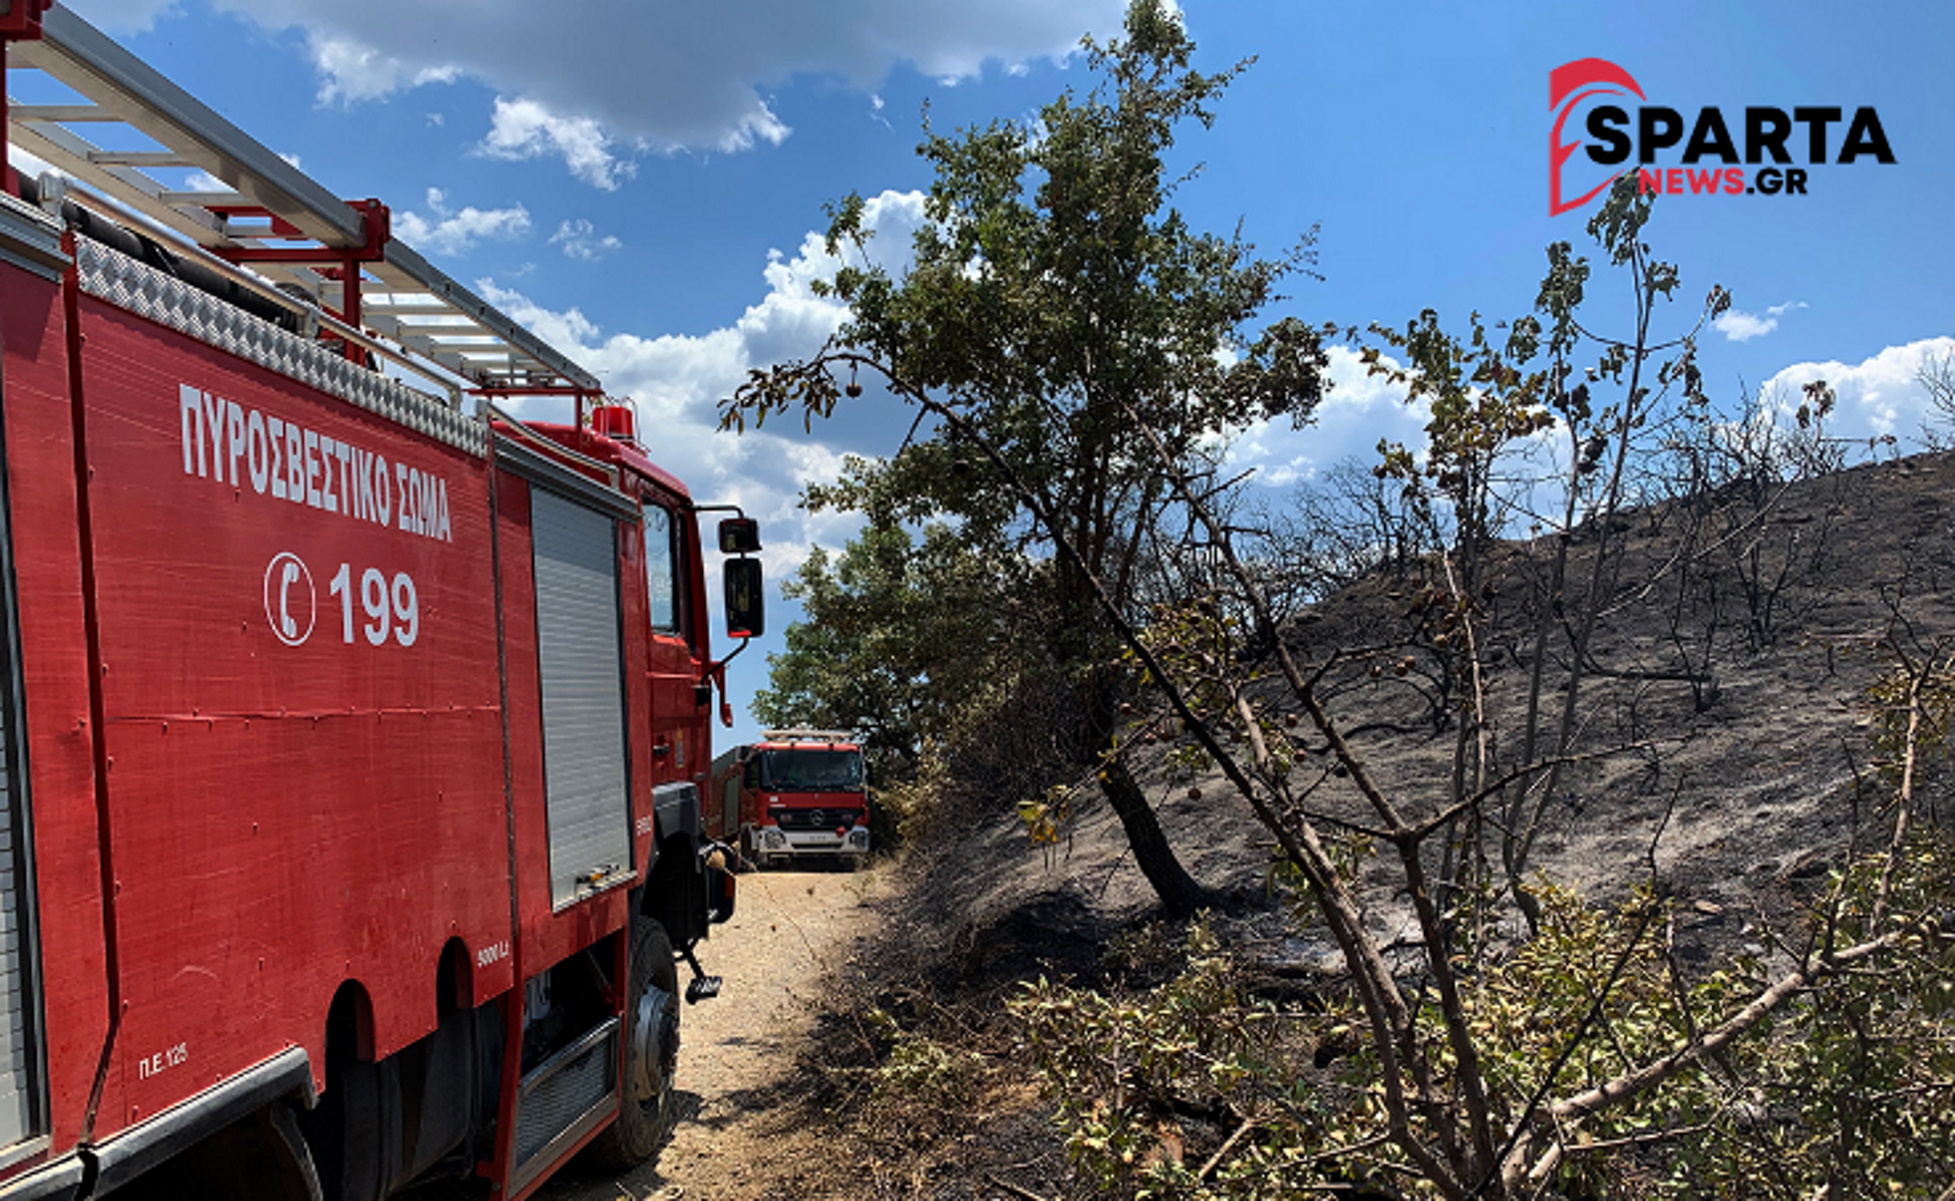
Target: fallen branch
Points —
{"points": [[1222, 1152], [1631, 1083], [1011, 1188]]}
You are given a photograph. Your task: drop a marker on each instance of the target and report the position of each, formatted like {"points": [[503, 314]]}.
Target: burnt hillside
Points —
{"points": [[1734, 684], [1727, 679]]}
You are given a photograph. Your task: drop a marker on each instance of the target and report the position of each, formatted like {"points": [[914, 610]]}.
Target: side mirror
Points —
{"points": [[739, 536], [745, 607]]}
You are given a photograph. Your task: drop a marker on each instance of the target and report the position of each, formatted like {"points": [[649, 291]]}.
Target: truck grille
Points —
{"points": [[816, 819]]}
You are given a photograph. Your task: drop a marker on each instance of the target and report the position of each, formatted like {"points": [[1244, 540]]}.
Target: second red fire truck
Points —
{"points": [[796, 796]]}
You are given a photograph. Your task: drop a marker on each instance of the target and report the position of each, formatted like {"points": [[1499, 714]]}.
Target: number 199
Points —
{"points": [[394, 609]]}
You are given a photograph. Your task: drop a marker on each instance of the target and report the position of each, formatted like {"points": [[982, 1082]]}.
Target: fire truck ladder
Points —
{"points": [[238, 207]]}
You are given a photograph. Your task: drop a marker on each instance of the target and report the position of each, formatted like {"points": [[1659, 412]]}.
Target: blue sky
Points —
{"points": [[641, 182]]}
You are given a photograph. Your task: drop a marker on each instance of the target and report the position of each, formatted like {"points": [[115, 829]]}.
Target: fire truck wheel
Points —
{"points": [[651, 1052]]}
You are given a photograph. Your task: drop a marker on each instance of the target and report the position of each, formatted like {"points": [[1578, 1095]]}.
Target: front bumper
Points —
{"points": [[771, 843]]}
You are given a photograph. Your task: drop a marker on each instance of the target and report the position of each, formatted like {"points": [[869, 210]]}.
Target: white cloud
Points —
{"points": [[451, 232], [569, 331], [524, 129], [1739, 326], [614, 78], [1355, 414], [1875, 398], [760, 125], [580, 240], [354, 71]]}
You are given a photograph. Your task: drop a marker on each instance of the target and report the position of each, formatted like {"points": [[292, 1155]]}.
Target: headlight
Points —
{"points": [[859, 838]]}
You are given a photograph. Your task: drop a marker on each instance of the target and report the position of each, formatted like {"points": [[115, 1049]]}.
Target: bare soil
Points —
{"points": [[738, 1137]]}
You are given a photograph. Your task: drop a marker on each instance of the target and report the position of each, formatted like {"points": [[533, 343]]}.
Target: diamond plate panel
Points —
{"points": [[166, 300]]}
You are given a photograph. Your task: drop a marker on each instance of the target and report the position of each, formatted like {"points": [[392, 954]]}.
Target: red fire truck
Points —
{"points": [[352, 732], [796, 795]]}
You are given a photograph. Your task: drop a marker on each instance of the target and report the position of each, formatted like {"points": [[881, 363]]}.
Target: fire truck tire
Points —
{"points": [[645, 1115], [259, 1158]]}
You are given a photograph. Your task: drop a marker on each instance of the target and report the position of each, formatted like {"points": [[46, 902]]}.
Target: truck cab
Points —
{"points": [[795, 796]]}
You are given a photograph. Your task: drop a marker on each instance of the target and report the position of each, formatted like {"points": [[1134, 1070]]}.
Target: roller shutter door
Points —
{"points": [[580, 658]]}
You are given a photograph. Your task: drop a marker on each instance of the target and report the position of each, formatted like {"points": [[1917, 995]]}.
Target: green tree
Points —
{"points": [[1056, 303], [899, 633]]}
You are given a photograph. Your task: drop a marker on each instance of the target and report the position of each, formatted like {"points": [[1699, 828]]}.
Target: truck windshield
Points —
{"points": [[811, 770]]}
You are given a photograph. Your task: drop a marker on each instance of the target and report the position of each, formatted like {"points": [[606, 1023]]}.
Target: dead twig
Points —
{"points": [[1222, 1152], [1011, 1188]]}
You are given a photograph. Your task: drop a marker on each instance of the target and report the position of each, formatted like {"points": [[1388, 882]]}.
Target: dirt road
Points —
{"points": [[787, 927]]}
